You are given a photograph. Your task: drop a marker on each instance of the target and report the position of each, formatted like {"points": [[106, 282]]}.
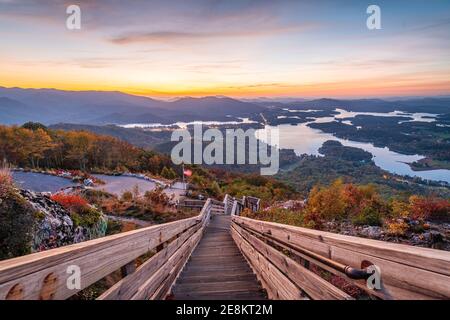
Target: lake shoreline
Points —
{"points": [[428, 164]]}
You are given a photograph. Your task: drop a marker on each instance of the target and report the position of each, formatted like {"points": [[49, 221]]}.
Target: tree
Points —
{"points": [[429, 208], [168, 173], [34, 126], [360, 204], [41, 143], [79, 145]]}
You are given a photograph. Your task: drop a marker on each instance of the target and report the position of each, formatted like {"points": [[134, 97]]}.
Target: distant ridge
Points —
{"points": [[51, 106]]}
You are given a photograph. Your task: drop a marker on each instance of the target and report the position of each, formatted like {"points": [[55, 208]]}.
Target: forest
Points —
{"points": [[35, 146]]}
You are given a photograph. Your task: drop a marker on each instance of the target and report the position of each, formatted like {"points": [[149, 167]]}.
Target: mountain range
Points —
{"points": [[51, 106]]}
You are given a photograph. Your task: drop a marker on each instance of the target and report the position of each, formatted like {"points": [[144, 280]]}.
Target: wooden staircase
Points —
{"points": [[222, 255], [216, 269]]}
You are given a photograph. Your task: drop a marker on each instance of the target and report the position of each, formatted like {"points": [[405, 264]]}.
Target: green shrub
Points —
{"points": [[368, 216], [17, 220], [127, 196], [87, 217]]}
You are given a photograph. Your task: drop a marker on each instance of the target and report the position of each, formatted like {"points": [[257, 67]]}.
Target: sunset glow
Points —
{"points": [[233, 48]]}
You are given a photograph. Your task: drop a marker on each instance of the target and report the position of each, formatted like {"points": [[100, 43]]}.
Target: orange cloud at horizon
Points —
{"points": [[233, 48], [428, 85]]}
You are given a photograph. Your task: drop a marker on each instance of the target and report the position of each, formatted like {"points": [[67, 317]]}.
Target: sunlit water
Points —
{"points": [[414, 117], [343, 114], [184, 125], [305, 140]]}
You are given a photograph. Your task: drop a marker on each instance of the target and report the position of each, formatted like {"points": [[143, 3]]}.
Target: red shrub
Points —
{"points": [[429, 208], [70, 202]]}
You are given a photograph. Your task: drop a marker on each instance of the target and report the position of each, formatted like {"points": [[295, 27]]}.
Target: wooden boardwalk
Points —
{"points": [[216, 269], [220, 255]]}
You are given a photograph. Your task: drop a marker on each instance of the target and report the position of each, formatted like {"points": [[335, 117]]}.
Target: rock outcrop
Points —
{"points": [[49, 225], [54, 226]]}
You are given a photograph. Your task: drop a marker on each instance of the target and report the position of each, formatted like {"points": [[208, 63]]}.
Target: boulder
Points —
{"points": [[372, 232], [53, 225]]}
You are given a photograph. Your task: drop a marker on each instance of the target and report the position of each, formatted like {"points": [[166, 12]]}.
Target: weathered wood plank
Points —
{"points": [[278, 286], [248, 295], [226, 277], [168, 283], [407, 272], [18, 267], [219, 286], [424, 258], [216, 271], [148, 288], [96, 259], [311, 283], [127, 287]]}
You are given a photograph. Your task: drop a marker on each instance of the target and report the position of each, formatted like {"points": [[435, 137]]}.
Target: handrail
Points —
{"points": [[192, 204], [352, 273], [406, 272], [44, 275], [285, 259]]}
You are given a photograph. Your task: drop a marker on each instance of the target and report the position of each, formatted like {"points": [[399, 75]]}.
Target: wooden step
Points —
{"points": [[216, 269], [216, 254], [221, 286], [216, 277], [249, 295], [188, 272]]}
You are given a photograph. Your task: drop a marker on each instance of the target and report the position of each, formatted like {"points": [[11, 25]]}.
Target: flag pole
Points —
{"points": [[184, 184]]}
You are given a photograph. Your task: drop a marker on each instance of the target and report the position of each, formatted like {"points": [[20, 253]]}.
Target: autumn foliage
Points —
{"points": [[6, 181], [361, 204], [73, 203], [36, 146], [429, 208]]}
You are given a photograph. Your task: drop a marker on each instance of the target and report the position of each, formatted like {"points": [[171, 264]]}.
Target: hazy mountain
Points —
{"points": [[100, 107], [10, 110], [429, 105], [214, 106], [129, 117], [51, 106]]}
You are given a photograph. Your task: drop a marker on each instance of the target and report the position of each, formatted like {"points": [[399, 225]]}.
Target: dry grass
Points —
{"points": [[6, 181]]}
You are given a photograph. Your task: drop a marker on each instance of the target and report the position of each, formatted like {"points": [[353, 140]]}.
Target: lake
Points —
{"points": [[39, 182], [305, 140]]}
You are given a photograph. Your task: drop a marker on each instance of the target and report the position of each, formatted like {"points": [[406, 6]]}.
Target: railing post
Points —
{"points": [[225, 202]]}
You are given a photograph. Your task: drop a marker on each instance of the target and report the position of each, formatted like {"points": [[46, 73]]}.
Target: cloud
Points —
{"points": [[175, 36], [369, 63]]}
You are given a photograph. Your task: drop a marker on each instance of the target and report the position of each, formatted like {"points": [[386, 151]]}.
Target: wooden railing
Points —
{"points": [[228, 203], [44, 275], [284, 258], [251, 203], [191, 204], [290, 262]]}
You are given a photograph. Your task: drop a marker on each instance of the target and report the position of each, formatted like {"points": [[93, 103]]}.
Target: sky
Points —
{"points": [[238, 48]]}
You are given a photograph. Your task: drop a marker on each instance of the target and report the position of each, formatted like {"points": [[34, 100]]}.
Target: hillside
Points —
{"points": [[355, 166], [134, 136], [426, 105], [51, 106]]}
